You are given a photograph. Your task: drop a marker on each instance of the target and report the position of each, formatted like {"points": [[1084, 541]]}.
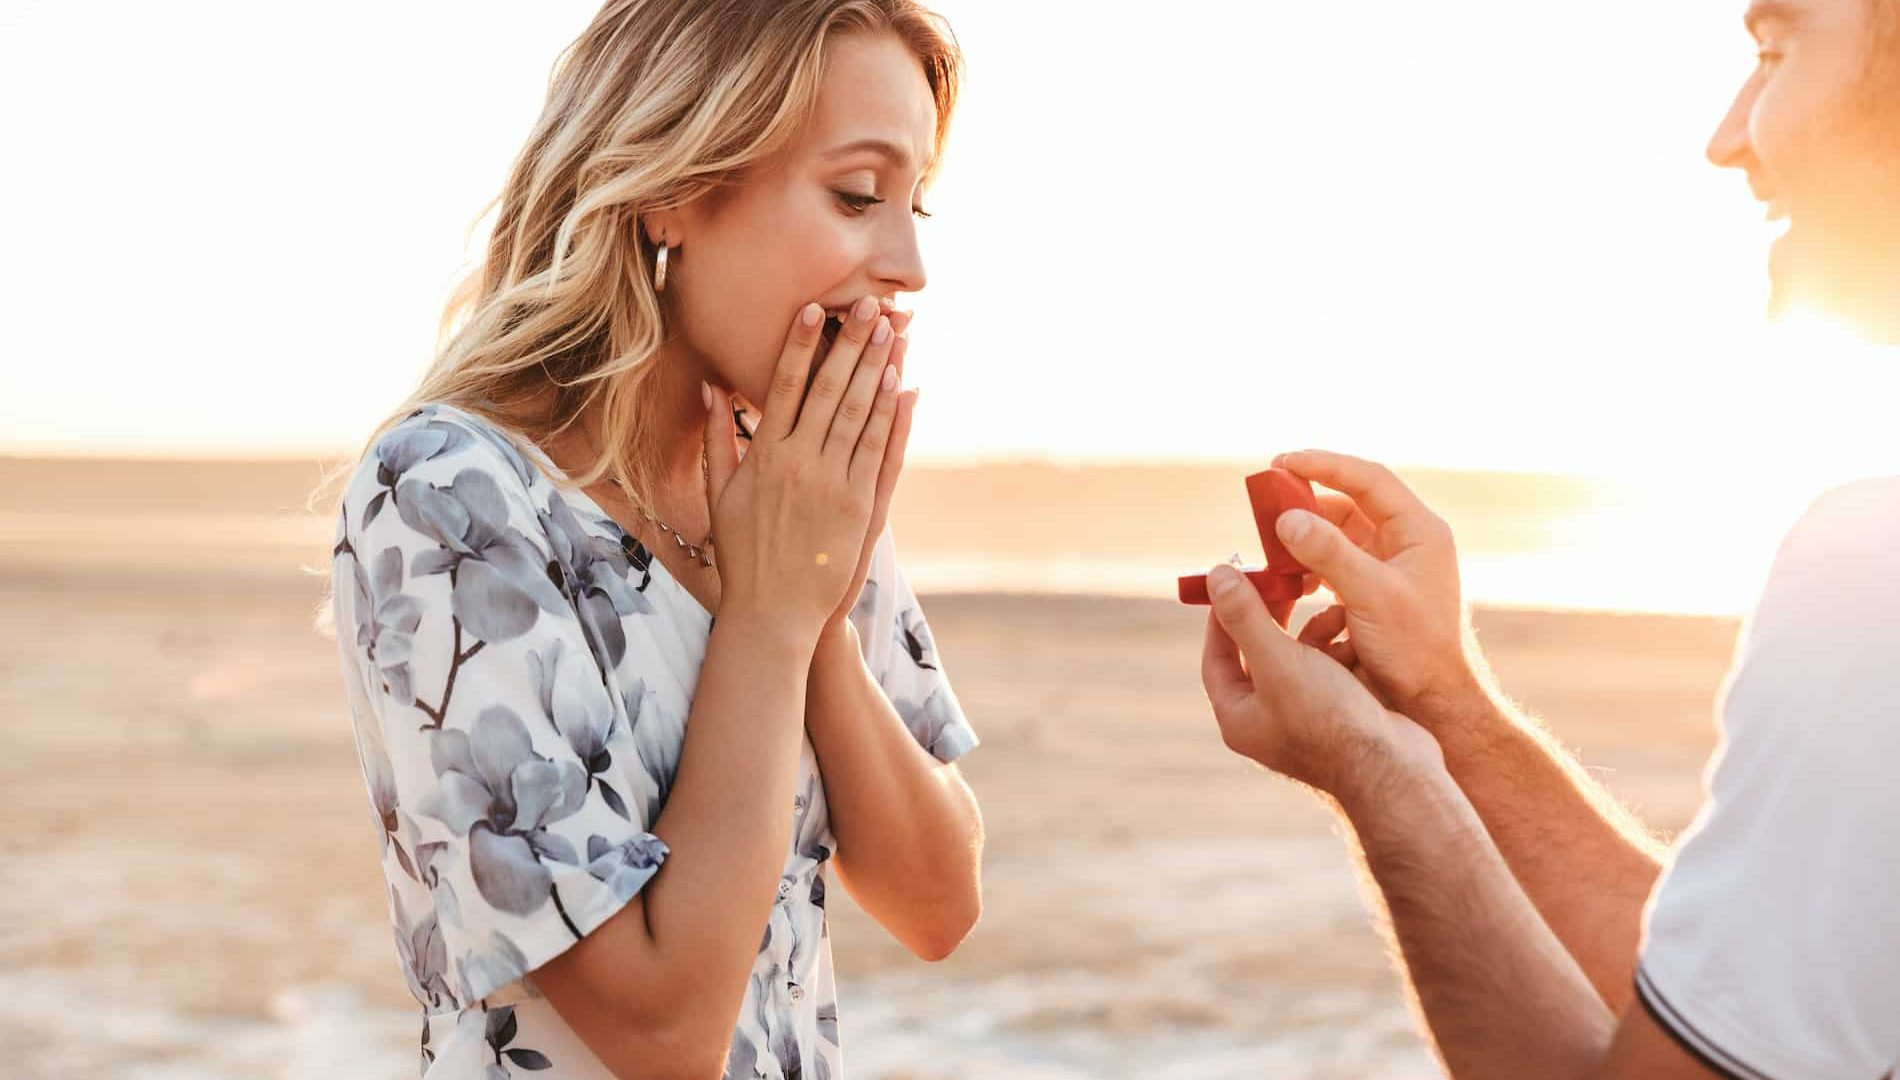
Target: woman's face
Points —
{"points": [[828, 220]]}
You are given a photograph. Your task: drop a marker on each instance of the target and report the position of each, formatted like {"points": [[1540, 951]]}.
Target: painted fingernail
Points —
{"points": [[865, 309], [883, 332], [890, 377], [811, 314], [1222, 580], [1293, 525], [705, 393]]}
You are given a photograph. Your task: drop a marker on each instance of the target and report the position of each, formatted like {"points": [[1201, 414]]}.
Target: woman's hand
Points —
{"points": [[887, 476], [792, 517]]}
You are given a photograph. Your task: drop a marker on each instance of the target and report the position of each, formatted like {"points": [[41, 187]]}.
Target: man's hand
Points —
{"points": [[1292, 708], [1394, 567]]}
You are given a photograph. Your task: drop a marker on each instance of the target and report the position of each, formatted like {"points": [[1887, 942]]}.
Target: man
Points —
{"points": [[1539, 928]]}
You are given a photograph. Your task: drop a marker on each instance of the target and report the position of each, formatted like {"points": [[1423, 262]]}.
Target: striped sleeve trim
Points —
{"points": [[1688, 1036]]}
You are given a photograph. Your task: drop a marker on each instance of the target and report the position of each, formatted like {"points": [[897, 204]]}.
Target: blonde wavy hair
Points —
{"points": [[656, 104]]}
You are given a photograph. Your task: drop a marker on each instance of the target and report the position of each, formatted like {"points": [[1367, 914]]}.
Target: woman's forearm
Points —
{"points": [[909, 833], [656, 989], [726, 819]]}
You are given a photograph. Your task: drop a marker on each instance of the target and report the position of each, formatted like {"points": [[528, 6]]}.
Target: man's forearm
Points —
{"points": [[908, 829], [1501, 995], [1586, 864]]}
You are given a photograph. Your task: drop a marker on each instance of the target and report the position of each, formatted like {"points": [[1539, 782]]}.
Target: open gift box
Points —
{"points": [[1283, 580]]}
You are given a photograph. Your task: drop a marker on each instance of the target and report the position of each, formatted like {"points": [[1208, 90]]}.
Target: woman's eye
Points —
{"points": [[920, 211], [857, 203]]}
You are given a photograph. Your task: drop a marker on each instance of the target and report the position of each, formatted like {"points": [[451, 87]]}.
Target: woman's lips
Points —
{"points": [[835, 316]]}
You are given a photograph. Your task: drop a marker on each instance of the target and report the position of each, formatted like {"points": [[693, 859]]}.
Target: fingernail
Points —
{"points": [[883, 332], [1222, 580], [1293, 525], [864, 309], [811, 314], [705, 393], [890, 377]]}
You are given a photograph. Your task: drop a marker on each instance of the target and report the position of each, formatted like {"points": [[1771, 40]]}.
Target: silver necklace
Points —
{"points": [[700, 553]]}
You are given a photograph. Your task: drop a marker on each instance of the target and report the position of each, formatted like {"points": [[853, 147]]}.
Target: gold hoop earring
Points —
{"points": [[659, 269]]}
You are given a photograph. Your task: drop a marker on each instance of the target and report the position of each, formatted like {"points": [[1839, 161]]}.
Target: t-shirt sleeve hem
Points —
{"points": [[1712, 1039]]}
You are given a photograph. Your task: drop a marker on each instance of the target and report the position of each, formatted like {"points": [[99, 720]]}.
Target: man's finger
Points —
{"points": [[1222, 674], [1339, 509], [1263, 645], [1322, 628], [788, 378], [1378, 491], [1357, 577]]}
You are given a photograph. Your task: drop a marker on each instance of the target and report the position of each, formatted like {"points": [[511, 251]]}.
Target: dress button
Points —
{"points": [[798, 992], [784, 888]]}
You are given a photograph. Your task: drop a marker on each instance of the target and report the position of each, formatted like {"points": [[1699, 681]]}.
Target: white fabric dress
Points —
{"points": [[519, 672]]}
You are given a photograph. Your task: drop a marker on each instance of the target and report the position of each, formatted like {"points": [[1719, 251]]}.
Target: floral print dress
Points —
{"points": [[520, 671]]}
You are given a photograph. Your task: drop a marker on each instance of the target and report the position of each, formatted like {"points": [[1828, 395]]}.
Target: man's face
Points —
{"points": [[1817, 128]]}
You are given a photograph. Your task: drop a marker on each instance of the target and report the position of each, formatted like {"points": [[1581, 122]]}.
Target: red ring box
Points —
{"points": [[1283, 579]]}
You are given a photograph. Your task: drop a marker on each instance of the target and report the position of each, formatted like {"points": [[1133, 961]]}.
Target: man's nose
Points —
{"points": [[1728, 148]]}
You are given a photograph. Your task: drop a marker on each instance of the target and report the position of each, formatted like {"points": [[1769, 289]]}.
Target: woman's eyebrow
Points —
{"points": [[897, 154]]}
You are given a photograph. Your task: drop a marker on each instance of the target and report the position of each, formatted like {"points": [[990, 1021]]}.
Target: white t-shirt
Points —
{"points": [[1772, 944], [520, 674]]}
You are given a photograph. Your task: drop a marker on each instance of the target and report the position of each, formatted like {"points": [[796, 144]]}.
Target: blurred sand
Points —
{"points": [[189, 888]]}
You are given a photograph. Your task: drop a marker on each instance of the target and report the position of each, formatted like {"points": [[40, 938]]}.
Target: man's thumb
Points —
{"points": [[1353, 574], [1245, 618]]}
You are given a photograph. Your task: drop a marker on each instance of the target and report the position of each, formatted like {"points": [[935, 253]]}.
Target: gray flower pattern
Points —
{"points": [[520, 672], [493, 789], [386, 620]]}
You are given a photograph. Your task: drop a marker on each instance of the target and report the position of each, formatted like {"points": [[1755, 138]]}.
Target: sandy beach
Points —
{"points": [[189, 887]]}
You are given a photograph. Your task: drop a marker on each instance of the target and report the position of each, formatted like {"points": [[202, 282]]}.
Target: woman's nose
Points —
{"points": [[899, 265]]}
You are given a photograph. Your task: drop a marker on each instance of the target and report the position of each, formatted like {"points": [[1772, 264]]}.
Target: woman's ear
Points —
{"points": [[663, 227]]}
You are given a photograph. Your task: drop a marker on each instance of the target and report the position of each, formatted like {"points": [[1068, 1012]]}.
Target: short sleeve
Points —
{"points": [[499, 732], [902, 653], [1769, 942]]}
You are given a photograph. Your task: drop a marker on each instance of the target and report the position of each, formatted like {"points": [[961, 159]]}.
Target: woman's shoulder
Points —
{"points": [[434, 445]]}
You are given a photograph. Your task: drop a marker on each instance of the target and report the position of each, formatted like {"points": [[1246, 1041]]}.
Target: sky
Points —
{"points": [[1476, 236]]}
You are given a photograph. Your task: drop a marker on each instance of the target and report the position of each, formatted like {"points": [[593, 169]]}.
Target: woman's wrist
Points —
{"points": [[838, 640], [774, 629]]}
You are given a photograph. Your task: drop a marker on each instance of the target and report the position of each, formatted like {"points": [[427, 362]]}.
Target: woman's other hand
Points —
{"points": [[792, 517]]}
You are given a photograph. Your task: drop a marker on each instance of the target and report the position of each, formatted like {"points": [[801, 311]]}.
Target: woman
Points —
{"points": [[606, 815]]}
